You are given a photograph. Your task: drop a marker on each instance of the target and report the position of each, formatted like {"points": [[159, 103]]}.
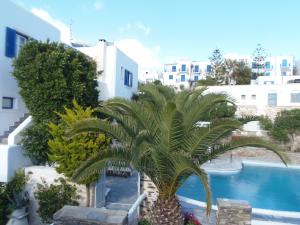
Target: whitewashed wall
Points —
{"points": [[249, 96], [28, 24], [112, 62]]}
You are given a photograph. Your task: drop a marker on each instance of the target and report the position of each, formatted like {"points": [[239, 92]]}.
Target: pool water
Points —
{"points": [[263, 187]]}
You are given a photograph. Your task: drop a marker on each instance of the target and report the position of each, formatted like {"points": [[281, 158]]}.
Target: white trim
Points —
{"points": [[14, 137]]}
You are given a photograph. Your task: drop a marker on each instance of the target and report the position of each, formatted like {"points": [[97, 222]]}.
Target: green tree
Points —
{"points": [[159, 135], [50, 76], [237, 71], [259, 57], [68, 154], [217, 65], [285, 125]]}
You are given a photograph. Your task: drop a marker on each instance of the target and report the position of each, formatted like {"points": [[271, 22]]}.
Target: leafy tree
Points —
{"points": [[159, 136], [217, 64], [50, 76], [286, 124], [241, 73], [53, 197], [295, 70], [259, 57], [68, 154]]}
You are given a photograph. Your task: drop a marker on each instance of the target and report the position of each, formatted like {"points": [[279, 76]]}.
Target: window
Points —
{"points": [[283, 74], [268, 73], [170, 77], [253, 97], [208, 68], [182, 78], [183, 67], [243, 97], [196, 70], [284, 63], [128, 78], [196, 78], [13, 42], [173, 68], [295, 97], [268, 65], [254, 65], [272, 99], [7, 103]]}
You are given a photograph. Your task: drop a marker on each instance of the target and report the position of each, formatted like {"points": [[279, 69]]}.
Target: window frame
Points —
{"points": [[128, 77], [294, 96], [182, 76], [11, 105], [171, 77], [173, 69]]}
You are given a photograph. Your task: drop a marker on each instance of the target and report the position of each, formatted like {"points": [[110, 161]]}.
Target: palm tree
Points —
{"points": [[160, 136]]}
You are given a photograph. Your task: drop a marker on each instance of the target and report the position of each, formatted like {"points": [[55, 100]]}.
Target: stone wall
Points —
{"points": [[148, 187], [233, 212]]}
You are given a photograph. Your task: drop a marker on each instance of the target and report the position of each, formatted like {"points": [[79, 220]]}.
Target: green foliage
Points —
{"points": [[12, 196], [53, 197], [241, 73], [217, 64], [51, 75], [157, 82], [159, 135], [68, 153], [209, 81], [287, 122], [35, 142], [266, 122], [144, 222]]}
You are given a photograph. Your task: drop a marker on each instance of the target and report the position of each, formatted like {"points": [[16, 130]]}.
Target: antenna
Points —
{"points": [[71, 23]]}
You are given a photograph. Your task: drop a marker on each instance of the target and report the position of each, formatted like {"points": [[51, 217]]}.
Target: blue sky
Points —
{"points": [[183, 29]]}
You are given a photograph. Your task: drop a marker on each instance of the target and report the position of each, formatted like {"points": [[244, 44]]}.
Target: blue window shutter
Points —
{"points": [[131, 79], [10, 43]]}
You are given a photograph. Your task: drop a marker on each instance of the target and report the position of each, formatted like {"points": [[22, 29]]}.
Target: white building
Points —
{"points": [[16, 27], [183, 71], [117, 73], [275, 70], [149, 76], [261, 99]]}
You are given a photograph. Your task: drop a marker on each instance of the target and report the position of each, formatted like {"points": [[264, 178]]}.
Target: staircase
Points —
{"points": [[4, 137]]}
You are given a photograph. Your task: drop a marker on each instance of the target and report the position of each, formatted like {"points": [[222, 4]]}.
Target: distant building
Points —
{"points": [[149, 76], [117, 73], [275, 70], [261, 99], [184, 71]]}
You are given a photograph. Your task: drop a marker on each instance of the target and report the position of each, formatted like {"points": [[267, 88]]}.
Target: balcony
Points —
{"points": [[285, 68]]}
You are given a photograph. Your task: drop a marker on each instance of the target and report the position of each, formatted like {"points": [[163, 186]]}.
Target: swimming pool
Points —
{"points": [[263, 187]]}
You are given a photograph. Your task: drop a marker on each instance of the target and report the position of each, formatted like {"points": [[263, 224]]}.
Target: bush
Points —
{"points": [[287, 122], [35, 143], [69, 154], [50, 76], [54, 197], [12, 196]]}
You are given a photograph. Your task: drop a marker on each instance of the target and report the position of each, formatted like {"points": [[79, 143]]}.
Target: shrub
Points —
{"points": [[266, 122], [35, 143], [53, 197], [50, 76], [12, 196]]}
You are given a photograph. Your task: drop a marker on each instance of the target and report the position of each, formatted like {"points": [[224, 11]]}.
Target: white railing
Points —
{"points": [[133, 213], [15, 137]]}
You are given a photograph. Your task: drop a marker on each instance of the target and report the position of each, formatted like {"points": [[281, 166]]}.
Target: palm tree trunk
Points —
{"points": [[166, 211], [88, 195]]}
